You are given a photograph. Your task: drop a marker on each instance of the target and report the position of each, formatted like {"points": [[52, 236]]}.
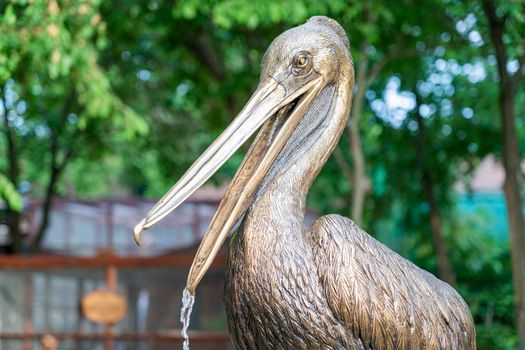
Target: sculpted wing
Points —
{"points": [[382, 298]]}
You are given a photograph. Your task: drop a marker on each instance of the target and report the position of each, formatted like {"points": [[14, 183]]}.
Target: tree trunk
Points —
{"points": [[46, 210], [361, 183], [13, 217], [365, 74], [55, 170], [511, 161], [446, 272]]}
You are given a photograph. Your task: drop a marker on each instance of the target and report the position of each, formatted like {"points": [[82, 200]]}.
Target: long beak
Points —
{"points": [[270, 104]]}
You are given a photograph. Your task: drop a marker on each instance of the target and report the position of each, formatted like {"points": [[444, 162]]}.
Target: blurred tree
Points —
{"points": [[506, 28], [446, 272], [422, 115], [401, 51], [496, 30], [57, 102], [225, 32]]}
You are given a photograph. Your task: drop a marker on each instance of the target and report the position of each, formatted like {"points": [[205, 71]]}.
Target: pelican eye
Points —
{"points": [[301, 62]]}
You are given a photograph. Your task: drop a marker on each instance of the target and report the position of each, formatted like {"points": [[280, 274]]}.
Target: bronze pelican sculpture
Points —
{"points": [[331, 286]]}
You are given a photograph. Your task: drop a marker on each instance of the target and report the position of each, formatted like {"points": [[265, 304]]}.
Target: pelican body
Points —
{"points": [[329, 286]]}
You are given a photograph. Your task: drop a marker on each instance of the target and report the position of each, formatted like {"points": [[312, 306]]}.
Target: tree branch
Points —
{"points": [[56, 167], [497, 28], [342, 163], [361, 183], [12, 170], [521, 60], [12, 217], [391, 55], [520, 74], [497, 31], [446, 271], [201, 46]]}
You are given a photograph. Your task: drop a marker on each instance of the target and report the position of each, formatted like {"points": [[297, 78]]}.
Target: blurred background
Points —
{"points": [[104, 104]]}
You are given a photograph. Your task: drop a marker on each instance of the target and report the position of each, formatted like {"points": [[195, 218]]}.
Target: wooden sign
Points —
{"points": [[104, 306]]}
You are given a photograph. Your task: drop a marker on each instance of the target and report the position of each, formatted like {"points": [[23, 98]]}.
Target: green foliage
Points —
{"points": [[58, 105], [9, 194], [200, 84], [54, 86], [479, 258], [152, 83]]}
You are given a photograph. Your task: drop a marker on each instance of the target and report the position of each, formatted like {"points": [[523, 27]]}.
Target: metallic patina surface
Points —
{"points": [[331, 286]]}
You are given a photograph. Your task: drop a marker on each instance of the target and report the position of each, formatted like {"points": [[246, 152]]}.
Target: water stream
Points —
{"points": [[185, 312]]}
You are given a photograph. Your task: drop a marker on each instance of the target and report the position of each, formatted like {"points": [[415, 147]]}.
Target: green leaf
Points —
{"points": [[9, 194]]}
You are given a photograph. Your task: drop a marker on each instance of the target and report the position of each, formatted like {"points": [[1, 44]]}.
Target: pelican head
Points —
{"points": [[297, 66]]}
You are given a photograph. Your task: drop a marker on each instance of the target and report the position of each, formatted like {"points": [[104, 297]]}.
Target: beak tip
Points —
{"points": [[190, 287], [137, 231]]}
